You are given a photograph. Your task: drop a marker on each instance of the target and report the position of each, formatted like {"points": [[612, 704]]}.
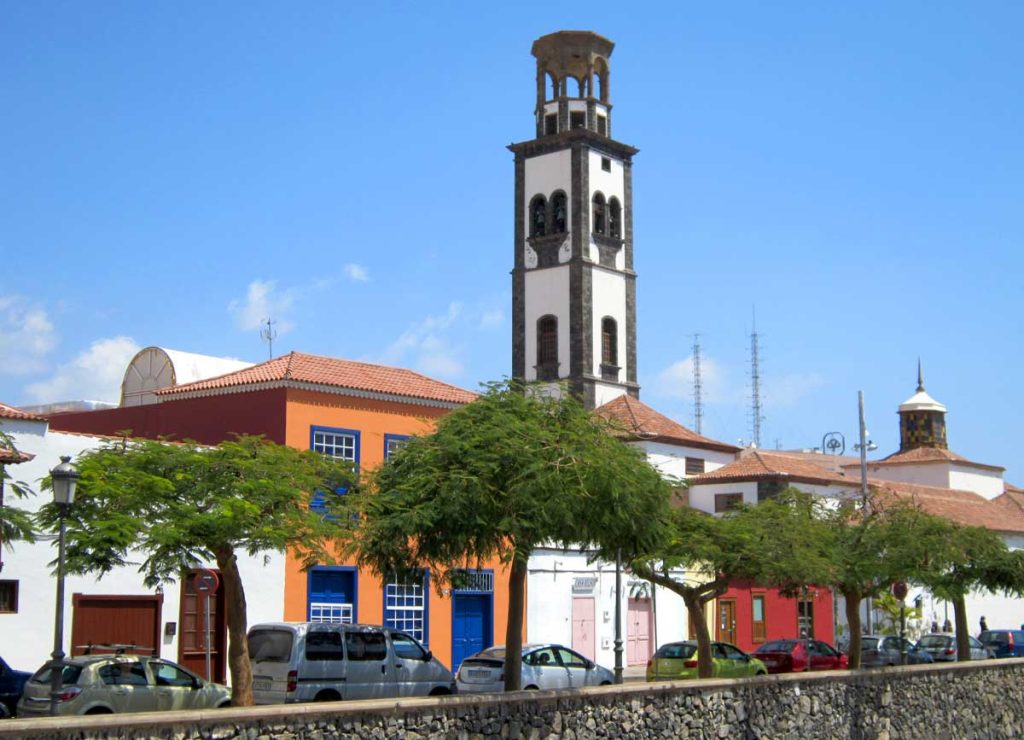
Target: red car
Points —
{"points": [[790, 656]]}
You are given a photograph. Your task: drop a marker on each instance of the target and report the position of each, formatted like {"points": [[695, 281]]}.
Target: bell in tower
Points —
{"points": [[573, 285]]}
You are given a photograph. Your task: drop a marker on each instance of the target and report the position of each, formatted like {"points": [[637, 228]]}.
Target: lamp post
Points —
{"points": [[618, 616], [864, 445], [64, 479]]}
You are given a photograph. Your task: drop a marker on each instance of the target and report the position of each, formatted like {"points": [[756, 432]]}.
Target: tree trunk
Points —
{"points": [[695, 613], [852, 601], [963, 644], [238, 645], [514, 630]]}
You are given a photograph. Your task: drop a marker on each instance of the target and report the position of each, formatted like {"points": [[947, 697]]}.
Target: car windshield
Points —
{"points": [[777, 646], [993, 637], [681, 650], [69, 677], [869, 643], [274, 646], [934, 641]]}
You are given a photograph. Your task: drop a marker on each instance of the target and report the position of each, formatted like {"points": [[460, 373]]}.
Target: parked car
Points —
{"points": [[545, 666], [886, 650], [1004, 643], [105, 684], [785, 656], [313, 661], [942, 647], [11, 684], [678, 660]]}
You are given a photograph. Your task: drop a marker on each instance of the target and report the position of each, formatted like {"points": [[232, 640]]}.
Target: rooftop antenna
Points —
{"points": [[268, 335], [698, 388], [755, 383]]}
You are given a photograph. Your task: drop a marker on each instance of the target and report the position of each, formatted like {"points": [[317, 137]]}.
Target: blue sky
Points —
{"points": [[172, 173]]}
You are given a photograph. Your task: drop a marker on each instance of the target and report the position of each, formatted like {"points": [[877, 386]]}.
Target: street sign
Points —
{"points": [[206, 582], [899, 590]]}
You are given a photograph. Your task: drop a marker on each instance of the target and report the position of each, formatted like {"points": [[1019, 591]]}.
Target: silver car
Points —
{"points": [[107, 684], [942, 647], [886, 650], [545, 666]]}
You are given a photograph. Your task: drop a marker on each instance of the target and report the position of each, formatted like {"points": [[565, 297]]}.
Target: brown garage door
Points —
{"points": [[119, 619]]}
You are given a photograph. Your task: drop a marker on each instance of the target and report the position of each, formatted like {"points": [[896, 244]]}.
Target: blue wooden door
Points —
{"points": [[331, 596], [471, 626]]}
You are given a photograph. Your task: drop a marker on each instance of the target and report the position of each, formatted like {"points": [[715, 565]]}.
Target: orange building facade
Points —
{"points": [[355, 411]]}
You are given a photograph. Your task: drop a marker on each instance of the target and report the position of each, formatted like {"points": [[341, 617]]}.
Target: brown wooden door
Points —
{"points": [[191, 640], [727, 620], [116, 619]]}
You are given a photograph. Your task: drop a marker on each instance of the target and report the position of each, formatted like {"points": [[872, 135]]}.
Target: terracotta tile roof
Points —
{"points": [[13, 457], [640, 421], [926, 455], [754, 465], [1001, 514], [11, 412], [298, 369]]}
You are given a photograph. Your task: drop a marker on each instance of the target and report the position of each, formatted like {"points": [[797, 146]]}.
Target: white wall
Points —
{"points": [[924, 475], [610, 184], [609, 299], [987, 483], [551, 575], [33, 624], [543, 175], [547, 292], [670, 460]]}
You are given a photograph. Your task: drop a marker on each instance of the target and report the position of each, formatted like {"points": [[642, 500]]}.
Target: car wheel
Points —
{"points": [[761, 673], [439, 691], [99, 710], [531, 687], [224, 705], [328, 696]]}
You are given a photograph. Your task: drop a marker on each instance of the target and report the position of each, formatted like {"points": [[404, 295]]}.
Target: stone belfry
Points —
{"points": [[573, 285], [922, 420]]}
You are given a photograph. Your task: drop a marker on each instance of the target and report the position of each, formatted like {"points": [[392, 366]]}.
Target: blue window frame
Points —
{"points": [[392, 443], [407, 607], [342, 444]]}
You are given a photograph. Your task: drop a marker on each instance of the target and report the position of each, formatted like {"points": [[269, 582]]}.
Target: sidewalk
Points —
{"points": [[634, 673]]}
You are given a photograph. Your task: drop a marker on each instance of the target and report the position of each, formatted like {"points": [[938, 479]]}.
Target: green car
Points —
{"points": [[678, 660]]}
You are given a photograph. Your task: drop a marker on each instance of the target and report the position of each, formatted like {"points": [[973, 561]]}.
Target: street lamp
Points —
{"points": [[64, 479], [864, 446], [618, 616]]}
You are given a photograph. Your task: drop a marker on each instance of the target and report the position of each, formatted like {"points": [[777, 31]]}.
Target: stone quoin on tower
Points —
{"points": [[573, 285]]}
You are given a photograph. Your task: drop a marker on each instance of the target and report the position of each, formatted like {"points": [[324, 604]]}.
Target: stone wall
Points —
{"points": [[960, 700]]}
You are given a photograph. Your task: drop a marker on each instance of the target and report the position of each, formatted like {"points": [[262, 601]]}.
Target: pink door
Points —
{"points": [[638, 631], [583, 627]]}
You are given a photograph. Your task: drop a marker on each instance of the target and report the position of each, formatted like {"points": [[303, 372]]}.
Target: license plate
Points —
{"points": [[479, 673], [261, 685]]}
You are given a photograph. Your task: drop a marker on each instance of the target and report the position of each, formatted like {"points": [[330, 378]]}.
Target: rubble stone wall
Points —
{"points": [[959, 700]]}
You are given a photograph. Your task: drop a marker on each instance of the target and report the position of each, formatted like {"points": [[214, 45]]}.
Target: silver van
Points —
{"points": [[313, 661]]}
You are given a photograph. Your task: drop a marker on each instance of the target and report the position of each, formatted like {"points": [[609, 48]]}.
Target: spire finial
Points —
{"points": [[920, 377]]}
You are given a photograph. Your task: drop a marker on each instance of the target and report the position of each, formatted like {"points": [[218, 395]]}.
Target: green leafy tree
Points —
{"points": [[970, 559], [779, 543], [499, 477], [873, 547], [16, 524], [180, 506]]}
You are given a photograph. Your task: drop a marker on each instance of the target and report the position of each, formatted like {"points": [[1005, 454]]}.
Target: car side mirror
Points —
{"points": [[428, 656]]}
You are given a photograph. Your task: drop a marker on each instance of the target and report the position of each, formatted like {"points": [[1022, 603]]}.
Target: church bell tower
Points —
{"points": [[573, 285]]}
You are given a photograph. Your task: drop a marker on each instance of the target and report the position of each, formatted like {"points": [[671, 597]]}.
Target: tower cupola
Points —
{"points": [[572, 82], [922, 420]]}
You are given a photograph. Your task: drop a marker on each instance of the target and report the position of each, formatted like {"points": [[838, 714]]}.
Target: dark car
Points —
{"points": [[885, 650], [942, 647], [12, 683], [785, 656], [1004, 643]]}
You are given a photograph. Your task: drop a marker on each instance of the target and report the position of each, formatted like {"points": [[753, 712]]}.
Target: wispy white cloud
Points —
{"points": [[676, 381], [27, 336], [94, 375], [356, 273], [492, 318], [789, 390], [428, 346], [263, 301]]}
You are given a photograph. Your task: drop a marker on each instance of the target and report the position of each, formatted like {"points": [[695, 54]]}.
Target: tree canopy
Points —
{"points": [[182, 505], [513, 470], [16, 524], [779, 543]]}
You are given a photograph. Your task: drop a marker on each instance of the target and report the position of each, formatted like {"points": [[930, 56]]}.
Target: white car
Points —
{"points": [[545, 666]]}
